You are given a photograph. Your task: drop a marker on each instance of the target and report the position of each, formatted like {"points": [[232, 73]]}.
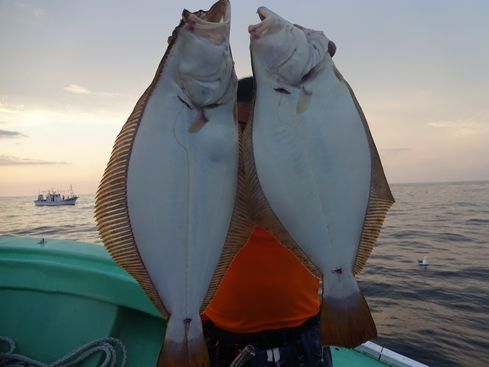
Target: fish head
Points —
{"points": [[206, 69], [288, 50]]}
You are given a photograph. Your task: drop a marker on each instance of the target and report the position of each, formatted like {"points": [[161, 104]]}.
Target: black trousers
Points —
{"points": [[290, 347]]}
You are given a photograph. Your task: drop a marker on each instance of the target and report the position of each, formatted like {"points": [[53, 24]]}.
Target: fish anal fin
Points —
{"points": [[374, 219], [346, 322], [304, 101], [111, 213], [380, 199], [198, 123], [187, 353]]}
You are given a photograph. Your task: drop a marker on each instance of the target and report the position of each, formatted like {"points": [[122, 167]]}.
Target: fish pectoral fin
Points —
{"points": [[346, 322], [198, 122], [304, 100], [184, 353]]}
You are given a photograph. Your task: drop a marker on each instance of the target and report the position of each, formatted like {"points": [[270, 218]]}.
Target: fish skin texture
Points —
{"points": [[170, 207], [316, 181]]}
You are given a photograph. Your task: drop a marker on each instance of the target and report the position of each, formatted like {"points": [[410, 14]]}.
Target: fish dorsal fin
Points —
{"points": [[380, 197], [111, 212]]}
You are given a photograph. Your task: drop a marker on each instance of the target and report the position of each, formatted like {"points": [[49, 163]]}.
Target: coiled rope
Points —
{"points": [[104, 345]]}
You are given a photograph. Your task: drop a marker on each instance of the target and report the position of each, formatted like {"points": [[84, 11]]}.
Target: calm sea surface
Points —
{"points": [[438, 315]]}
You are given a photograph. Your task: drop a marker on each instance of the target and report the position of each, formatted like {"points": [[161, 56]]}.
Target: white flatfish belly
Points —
{"points": [[317, 182]]}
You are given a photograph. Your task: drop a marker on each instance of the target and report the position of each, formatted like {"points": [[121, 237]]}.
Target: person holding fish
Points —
{"points": [[256, 309], [172, 206]]}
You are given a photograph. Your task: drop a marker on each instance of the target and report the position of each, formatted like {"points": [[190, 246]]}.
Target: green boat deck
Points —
{"points": [[58, 295]]}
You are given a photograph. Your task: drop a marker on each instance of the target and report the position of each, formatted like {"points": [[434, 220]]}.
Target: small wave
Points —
{"points": [[36, 231], [407, 234], [454, 237], [477, 221], [481, 274]]}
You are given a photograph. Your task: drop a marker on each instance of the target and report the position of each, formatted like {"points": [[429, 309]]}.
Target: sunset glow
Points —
{"points": [[71, 73]]}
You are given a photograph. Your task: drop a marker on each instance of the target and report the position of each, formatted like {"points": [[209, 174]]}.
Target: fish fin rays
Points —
{"points": [[346, 322], [111, 212], [187, 353], [380, 197], [374, 219]]}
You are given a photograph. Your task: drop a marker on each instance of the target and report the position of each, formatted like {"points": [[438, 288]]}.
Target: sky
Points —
{"points": [[72, 71]]}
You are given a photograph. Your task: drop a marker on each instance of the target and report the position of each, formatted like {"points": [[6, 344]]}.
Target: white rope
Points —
{"points": [[244, 356], [104, 345]]}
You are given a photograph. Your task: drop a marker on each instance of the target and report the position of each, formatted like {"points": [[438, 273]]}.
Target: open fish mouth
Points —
{"points": [[212, 24], [279, 45], [270, 23], [263, 13]]}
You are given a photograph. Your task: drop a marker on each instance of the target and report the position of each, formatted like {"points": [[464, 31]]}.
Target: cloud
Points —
{"points": [[77, 89], [10, 134], [39, 13], [460, 124], [460, 127], [10, 108], [440, 124], [29, 9], [7, 160]]}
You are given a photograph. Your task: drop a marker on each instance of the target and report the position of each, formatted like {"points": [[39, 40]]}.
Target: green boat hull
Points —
{"points": [[59, 295]]}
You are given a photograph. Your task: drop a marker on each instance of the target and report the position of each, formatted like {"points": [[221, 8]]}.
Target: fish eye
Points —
{"points": [[331, 48]]}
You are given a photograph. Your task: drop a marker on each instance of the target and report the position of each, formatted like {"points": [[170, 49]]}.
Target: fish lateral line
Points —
{"points": [[185, 103]]}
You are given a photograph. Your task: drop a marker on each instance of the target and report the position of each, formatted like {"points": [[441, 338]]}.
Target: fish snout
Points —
{"points": [[263, 12], [212, 25], [205, 67], [270, 23], [219, 12]]}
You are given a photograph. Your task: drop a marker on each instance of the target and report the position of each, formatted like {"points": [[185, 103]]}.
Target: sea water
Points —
{"points": [[436, 314]]}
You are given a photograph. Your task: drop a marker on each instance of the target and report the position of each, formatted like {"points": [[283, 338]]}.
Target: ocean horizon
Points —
{"points": [[93, 192], [436, 314]]}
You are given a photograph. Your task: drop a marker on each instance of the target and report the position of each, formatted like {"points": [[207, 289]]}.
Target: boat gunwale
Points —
{"points": [[68, 263]]}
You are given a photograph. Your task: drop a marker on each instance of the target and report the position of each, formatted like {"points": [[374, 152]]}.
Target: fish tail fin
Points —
{"points": [[186, 351], [346, 322]]}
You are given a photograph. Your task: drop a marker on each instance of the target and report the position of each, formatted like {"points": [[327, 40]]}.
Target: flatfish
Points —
{"points": [[168, 207], [314, 172]]}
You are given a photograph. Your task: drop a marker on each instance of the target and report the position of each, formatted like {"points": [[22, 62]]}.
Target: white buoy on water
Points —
{"points": [[423, 262]]}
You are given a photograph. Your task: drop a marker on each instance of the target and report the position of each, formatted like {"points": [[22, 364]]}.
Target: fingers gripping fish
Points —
{"points": [[168, 207], [316, 181]]}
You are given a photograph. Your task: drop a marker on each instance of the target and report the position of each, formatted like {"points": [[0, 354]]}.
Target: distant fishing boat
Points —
{"points": [[55, 198]]}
